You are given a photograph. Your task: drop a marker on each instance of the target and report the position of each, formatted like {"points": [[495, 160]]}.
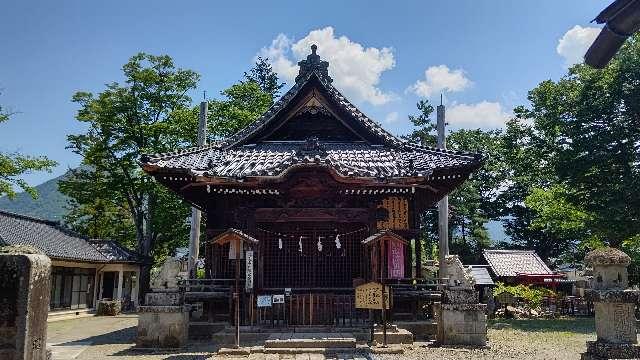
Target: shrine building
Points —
{"points": [[323, 197]]}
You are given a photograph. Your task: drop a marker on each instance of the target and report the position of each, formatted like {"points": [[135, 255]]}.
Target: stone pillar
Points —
{"points": [[24, 303], [461, 319], [614, 307]]}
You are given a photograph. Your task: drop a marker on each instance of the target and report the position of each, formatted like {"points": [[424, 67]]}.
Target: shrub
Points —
{"points": [[531, 295]]}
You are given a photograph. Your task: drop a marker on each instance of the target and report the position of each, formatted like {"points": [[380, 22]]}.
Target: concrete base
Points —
{"points": [[423, 330], [399, 336], [162, 326], [461, 324], [597, 350]]}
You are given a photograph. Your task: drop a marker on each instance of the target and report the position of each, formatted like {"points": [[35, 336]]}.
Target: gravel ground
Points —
{"points": [[524, 340], [113, 337]]}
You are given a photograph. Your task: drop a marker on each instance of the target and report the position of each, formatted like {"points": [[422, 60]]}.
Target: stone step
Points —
{"points": [[310, 340], [292, 351]]}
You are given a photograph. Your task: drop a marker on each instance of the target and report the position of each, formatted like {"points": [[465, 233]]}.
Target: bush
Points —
{"points": [[531, 295]]}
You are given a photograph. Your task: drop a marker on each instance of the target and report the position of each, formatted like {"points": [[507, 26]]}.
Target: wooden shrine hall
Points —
{"points": [[319, 196]]}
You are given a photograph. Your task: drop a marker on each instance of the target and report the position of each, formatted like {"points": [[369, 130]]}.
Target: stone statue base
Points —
{"points": [[461, 324], [163, 322]]}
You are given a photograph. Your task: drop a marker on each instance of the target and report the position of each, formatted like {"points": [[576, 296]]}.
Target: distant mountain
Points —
{"points": [[50, 204]]}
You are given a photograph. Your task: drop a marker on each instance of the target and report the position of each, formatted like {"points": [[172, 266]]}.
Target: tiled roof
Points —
{"points": [[481, 275], [508, 263], [371, 125], [115, 252], [348, 159], [50, 237], [235, 157]]}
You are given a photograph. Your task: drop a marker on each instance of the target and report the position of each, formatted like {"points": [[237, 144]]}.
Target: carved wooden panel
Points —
{"points": [[397, 209]]}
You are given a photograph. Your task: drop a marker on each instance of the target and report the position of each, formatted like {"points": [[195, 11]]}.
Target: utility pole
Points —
{"points": [[443, 205], [194, 241]]}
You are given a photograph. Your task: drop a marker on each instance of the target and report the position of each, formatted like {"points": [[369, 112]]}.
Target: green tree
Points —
{"points": [[241, 105], [594, 118], [123, 122], [471, 205], [14, 165], [424, 128], [262, 74]]}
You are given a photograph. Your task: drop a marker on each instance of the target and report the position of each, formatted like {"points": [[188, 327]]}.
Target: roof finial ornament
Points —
{"points": [[313, 64]]}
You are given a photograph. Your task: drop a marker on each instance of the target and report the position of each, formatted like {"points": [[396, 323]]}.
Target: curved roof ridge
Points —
{"points": [[185, 151]]}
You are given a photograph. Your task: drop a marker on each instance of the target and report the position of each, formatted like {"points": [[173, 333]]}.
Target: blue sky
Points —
{"points": [[483, 55]]}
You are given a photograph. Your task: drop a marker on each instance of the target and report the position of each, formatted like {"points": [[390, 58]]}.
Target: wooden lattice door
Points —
{"points": [[308, 256]]}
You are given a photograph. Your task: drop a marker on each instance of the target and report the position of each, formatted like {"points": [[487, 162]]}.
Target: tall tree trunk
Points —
{"points": [[144, 238]]}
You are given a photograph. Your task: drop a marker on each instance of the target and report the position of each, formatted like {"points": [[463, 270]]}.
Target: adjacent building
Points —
{"points": [[520, 266], [83, 270]]}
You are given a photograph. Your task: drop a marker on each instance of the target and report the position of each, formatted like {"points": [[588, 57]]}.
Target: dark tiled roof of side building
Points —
{"points": [[115, 252], [58, 242]]}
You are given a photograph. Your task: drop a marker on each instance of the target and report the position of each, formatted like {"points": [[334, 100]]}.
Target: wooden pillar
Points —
{"points": [[418, 244]]}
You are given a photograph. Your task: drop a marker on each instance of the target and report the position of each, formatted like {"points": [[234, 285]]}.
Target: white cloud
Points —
{"points": [[485, 115], [277, 54], [575, 42], [356, 70], [392, 117], [439, 79]]}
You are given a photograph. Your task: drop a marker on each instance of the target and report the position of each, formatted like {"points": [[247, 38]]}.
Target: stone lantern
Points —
{"points": [[614, 306], [609, 269]]}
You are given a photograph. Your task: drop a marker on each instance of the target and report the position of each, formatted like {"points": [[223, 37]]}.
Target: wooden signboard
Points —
{"points": [[398, 210], [278, 299], [369, 296], [395, 261], [249, 270]]}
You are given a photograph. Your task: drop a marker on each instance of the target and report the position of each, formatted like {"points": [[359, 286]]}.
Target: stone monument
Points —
{"points": [[163, 322], [614, 306], [24, 303], [461, 319]]}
